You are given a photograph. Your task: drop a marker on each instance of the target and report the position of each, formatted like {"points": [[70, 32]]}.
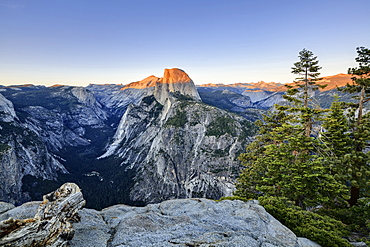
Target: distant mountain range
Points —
{"points": [[333, 81]]}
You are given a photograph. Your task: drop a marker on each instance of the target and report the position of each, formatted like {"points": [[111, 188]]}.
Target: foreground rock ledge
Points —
{"points": [[182, 222]]}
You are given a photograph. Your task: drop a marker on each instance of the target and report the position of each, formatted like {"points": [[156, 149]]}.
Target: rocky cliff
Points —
{"points": [[60, 221], [22, 152], [179, 148]]}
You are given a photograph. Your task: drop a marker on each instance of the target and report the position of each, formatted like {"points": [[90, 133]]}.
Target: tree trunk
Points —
{"points": [[355, 195], [355, 192], [308, 128], [308, 125], [360, 106], [306, 89]]}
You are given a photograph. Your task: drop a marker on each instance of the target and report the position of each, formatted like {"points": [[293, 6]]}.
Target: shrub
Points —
{"points": [[322, 229], [233, 198]]}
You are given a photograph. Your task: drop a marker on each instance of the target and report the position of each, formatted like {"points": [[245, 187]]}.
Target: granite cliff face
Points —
{"points": [[191, 153]]}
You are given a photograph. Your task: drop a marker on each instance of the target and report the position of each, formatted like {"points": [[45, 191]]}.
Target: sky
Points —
{"points": [[78, 42]]}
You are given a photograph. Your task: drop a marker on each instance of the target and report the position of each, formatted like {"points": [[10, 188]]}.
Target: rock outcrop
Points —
{"points": [[196, 222], [186, 222], [52, 223]]}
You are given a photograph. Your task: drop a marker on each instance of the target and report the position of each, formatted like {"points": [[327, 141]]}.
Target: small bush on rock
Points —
{"points": [[231, 198]]}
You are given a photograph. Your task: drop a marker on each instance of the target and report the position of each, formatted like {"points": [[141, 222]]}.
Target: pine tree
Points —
{"points": [[359, 170], [288, 159], [339, 142], [257, 154], [308, 69]]}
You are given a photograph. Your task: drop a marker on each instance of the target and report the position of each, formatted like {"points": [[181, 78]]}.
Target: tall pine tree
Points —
{"points": [[308, 70]]}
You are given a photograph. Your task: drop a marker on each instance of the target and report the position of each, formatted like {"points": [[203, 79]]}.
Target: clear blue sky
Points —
{"points": [[77, 42]]}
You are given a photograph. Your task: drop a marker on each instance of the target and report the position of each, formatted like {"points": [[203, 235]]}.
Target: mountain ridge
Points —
{"points": [[333, 81]]}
